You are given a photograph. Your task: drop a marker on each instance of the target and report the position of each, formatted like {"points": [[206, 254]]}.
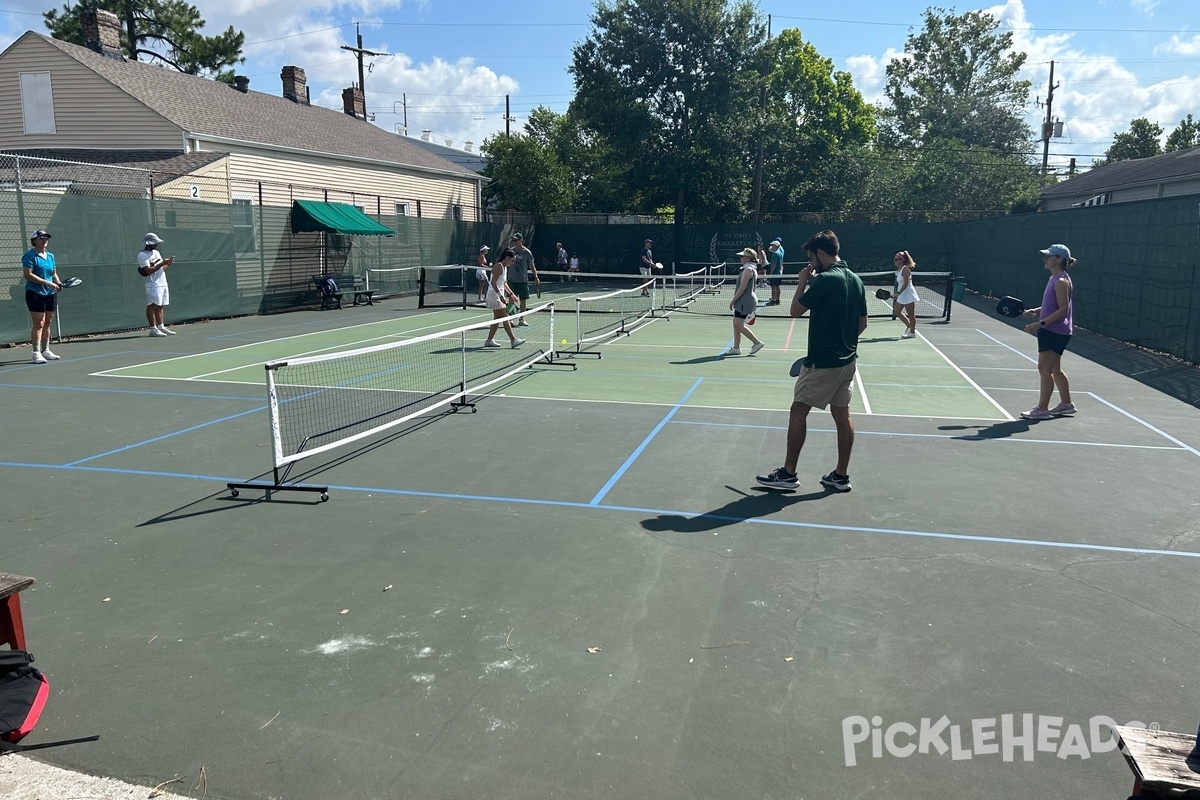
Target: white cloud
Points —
{"points": [[1179, 46]]}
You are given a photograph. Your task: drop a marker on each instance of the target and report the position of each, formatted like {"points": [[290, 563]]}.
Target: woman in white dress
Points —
{"points": [[904, 305], [498, 298]]}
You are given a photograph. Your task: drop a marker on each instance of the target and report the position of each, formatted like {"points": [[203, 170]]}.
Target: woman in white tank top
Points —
{"points": [[498, 297]]}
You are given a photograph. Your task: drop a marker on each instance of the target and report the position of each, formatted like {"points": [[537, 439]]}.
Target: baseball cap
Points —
{"points": [[749, 252], [152, 238], [1060, 250], [651, 241], [484, 249], [777, 241], [516, 236], [40, 234]]}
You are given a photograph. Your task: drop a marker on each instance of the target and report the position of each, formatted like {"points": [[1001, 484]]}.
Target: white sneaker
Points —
{"points": [[518, 342], [156, 332], [908, 334], [49, 356], [522, 323], [733, 351], [491, 343], [38, 358], [166, 330], [757, 347]]}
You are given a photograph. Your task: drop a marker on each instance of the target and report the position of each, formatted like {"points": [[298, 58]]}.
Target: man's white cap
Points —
{"points": [[152, 238]]}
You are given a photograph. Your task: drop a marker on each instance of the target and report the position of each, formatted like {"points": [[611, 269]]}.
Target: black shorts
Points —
{"points": [[740, 315], [775, 281], [39, 303], [1049, 340]]}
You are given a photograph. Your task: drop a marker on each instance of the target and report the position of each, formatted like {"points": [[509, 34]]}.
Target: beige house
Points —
{"points": [[246, 146]]}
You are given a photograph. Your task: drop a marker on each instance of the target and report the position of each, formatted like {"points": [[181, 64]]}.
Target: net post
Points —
{"points": [[421, 289]]}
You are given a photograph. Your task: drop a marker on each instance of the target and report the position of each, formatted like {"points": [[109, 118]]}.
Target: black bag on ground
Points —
{"points": [[23, 694]]}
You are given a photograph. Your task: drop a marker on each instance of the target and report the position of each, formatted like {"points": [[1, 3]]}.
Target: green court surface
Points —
{"points": [[580, 590]]}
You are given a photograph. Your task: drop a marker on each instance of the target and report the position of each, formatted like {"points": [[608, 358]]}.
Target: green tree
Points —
{"points": [[167, 31], [1140, 141], [526, 172], [1186, 135], [668, 87], [958, 80], [811, 111]]}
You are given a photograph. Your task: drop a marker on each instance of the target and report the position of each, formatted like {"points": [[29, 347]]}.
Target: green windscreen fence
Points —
{"points": [[1137, 279]]}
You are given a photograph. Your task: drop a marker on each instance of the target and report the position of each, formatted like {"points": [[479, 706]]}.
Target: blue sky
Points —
{"points": [[452, 63]]}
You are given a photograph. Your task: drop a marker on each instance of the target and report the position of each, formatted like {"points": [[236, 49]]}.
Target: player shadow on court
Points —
{"points": [[701, 359], [748, 506], [1000, 430]]}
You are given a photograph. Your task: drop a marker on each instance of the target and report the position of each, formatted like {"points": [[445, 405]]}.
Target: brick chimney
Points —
{"points": [[102, 32], [354, 102], [241, 83], [295, 85]]}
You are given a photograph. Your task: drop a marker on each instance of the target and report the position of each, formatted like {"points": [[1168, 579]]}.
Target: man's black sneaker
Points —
{"points": [[839, 483], [779, 478]]}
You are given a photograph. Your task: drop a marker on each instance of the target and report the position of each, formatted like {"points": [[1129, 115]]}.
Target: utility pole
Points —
{"points": [[507, 116], [1048, 125], [758, 162], [360, 53]]}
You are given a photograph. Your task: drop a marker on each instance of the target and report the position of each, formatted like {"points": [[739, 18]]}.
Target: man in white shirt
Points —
{"points": [[153, 267]]}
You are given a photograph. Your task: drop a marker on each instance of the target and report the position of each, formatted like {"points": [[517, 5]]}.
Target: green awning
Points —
{"points": [[310, 215]]}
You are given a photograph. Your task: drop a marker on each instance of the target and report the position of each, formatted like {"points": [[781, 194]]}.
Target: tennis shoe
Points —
{"points": [[166, 330], [49, 356], [756, 348], [517, 343], [908, 334], [779, 478], [522, 323], [38, 358], [1036, 413], [1060, 410], [491, 343], [156, 332], [838, 483], [733, 351]]}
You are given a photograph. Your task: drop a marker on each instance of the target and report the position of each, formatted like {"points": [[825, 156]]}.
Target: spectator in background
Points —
{"points": [[574, 267], [518, 276], [646, 262], [41, 294], [775, 269], [153, 267], [560, 260], [481, 274]]}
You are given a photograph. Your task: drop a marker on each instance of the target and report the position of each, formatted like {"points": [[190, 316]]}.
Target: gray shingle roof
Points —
{"points": [[1134, 171], [203, 106]]}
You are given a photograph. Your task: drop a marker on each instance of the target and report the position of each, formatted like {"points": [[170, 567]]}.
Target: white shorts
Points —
{"points": [[644, 270], [157, 295], [481, 275]]}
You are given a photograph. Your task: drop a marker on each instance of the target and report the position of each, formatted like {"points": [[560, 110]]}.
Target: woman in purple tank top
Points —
{"points": [[1053, 328]]}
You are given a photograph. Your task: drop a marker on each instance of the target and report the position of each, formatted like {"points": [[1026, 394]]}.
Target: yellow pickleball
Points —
{"points": [[564, 341]]}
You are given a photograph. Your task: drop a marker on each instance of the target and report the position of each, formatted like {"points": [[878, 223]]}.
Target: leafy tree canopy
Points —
{"points": [[1186, 135], [958, 80], [669, 85], [167, 31], [526, 171], [1140, 141]]}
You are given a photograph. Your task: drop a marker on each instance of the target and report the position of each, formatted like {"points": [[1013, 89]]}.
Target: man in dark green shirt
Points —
{"points": [[825, 376]]}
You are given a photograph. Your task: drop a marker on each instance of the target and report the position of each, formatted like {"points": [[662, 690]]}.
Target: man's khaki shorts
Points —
{"points": [[822, 387]]}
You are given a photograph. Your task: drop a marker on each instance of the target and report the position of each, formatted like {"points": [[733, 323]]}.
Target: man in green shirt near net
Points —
{"points": [[824, 377]]}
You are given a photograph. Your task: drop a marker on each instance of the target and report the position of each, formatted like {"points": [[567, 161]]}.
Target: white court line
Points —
{"points": [[1007, 346], [862, 391], [110, 372], [966, 377]]}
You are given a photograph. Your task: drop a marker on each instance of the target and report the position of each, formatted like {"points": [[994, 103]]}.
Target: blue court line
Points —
{"points": [[166, 436], [633, 456], [1141, 551]]}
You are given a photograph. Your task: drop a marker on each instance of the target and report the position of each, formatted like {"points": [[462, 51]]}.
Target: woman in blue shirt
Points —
{"points": [[41, 291]]}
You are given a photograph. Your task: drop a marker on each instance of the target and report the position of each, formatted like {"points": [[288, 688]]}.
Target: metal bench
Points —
{"points": [[353, 284]]}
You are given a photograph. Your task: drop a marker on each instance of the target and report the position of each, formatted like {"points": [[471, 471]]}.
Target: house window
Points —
{"points": [[458, 212], [403, 235], [37, 102], [243, 225]]}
